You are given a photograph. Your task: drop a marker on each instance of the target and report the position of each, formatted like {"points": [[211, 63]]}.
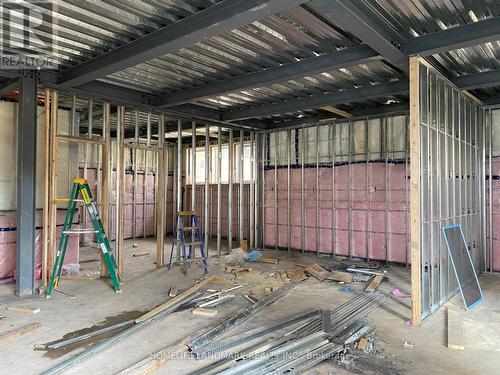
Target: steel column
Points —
{"points": [[230, 193], [26, 185]]}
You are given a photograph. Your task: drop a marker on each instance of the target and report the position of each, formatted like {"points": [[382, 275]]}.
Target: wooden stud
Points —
{"points": [[46, 191], [120, 170], [415, 203], [52, 182], [160, 199], [106, 177]]}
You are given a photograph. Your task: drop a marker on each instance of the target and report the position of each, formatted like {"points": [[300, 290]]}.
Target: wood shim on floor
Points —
{"points": [[455, 330], [24, 309], [11, 335]]}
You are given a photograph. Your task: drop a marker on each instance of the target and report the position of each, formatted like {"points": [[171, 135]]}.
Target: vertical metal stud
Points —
{"points": [[252, 217], [230, 193], [302, 193], [288, 191], [317, 231], [207, 184], [240, 191], [219, 191]]}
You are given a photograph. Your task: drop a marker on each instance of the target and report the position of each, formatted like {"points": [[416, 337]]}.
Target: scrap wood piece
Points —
{"points": [[295, 275], [455, 330], [140, 254], [79, 277], [11, 335], [373, 283], [268, 260], [237, 269], [154, 361], [340, 276], [24, 309], [317, 271], [175, 300], [202, 311]]}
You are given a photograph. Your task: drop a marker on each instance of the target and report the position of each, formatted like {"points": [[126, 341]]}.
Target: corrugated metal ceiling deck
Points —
{"points": [[89, 28]]}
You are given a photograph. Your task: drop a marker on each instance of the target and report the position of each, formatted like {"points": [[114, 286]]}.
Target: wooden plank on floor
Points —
{"points": [[23, 309], [455, 330], [373, 283], [174, 300], [317, 271], [11, 335]]}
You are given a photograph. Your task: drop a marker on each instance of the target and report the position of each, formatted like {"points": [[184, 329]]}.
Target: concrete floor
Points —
{"points": [[144, 287]]}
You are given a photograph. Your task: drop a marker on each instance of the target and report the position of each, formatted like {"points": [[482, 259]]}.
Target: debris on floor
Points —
{"points": [[135, 255], [204, 312], [399, 294], [23, 309], [408, 345], [11, 335]]}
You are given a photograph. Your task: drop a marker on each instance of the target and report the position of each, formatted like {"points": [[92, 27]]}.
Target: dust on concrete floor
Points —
{"points": [[145, 286]]}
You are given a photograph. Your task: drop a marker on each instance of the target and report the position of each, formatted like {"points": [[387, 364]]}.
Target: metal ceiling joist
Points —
{"points": [[317, 101], [215, 20], [457, 37], [357, 19], [477, 81], [314, 65], [378, 111]]}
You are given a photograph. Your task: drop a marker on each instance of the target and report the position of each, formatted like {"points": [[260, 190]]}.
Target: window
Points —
{"points": [[200, 164]]}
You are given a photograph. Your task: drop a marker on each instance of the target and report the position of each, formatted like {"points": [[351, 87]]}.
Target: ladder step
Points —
{"points": [[189, 228], [186, 213], [80, 231], [194, 243]]}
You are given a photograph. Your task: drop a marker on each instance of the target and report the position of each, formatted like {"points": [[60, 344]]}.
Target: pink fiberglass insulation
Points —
{"points": [[495, 188], [8, 223], [140, 206], [200, 199], [374, 218]]}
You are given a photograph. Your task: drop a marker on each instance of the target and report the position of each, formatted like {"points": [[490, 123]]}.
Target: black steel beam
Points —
{"points": [[377, 111], [317, 101], [215, 20], [314, 65], [359, 20], [477, 81], [26, 185], [457, 37]]}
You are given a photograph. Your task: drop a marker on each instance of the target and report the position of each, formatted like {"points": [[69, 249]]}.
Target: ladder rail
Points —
{"points": [[81, 186]]}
